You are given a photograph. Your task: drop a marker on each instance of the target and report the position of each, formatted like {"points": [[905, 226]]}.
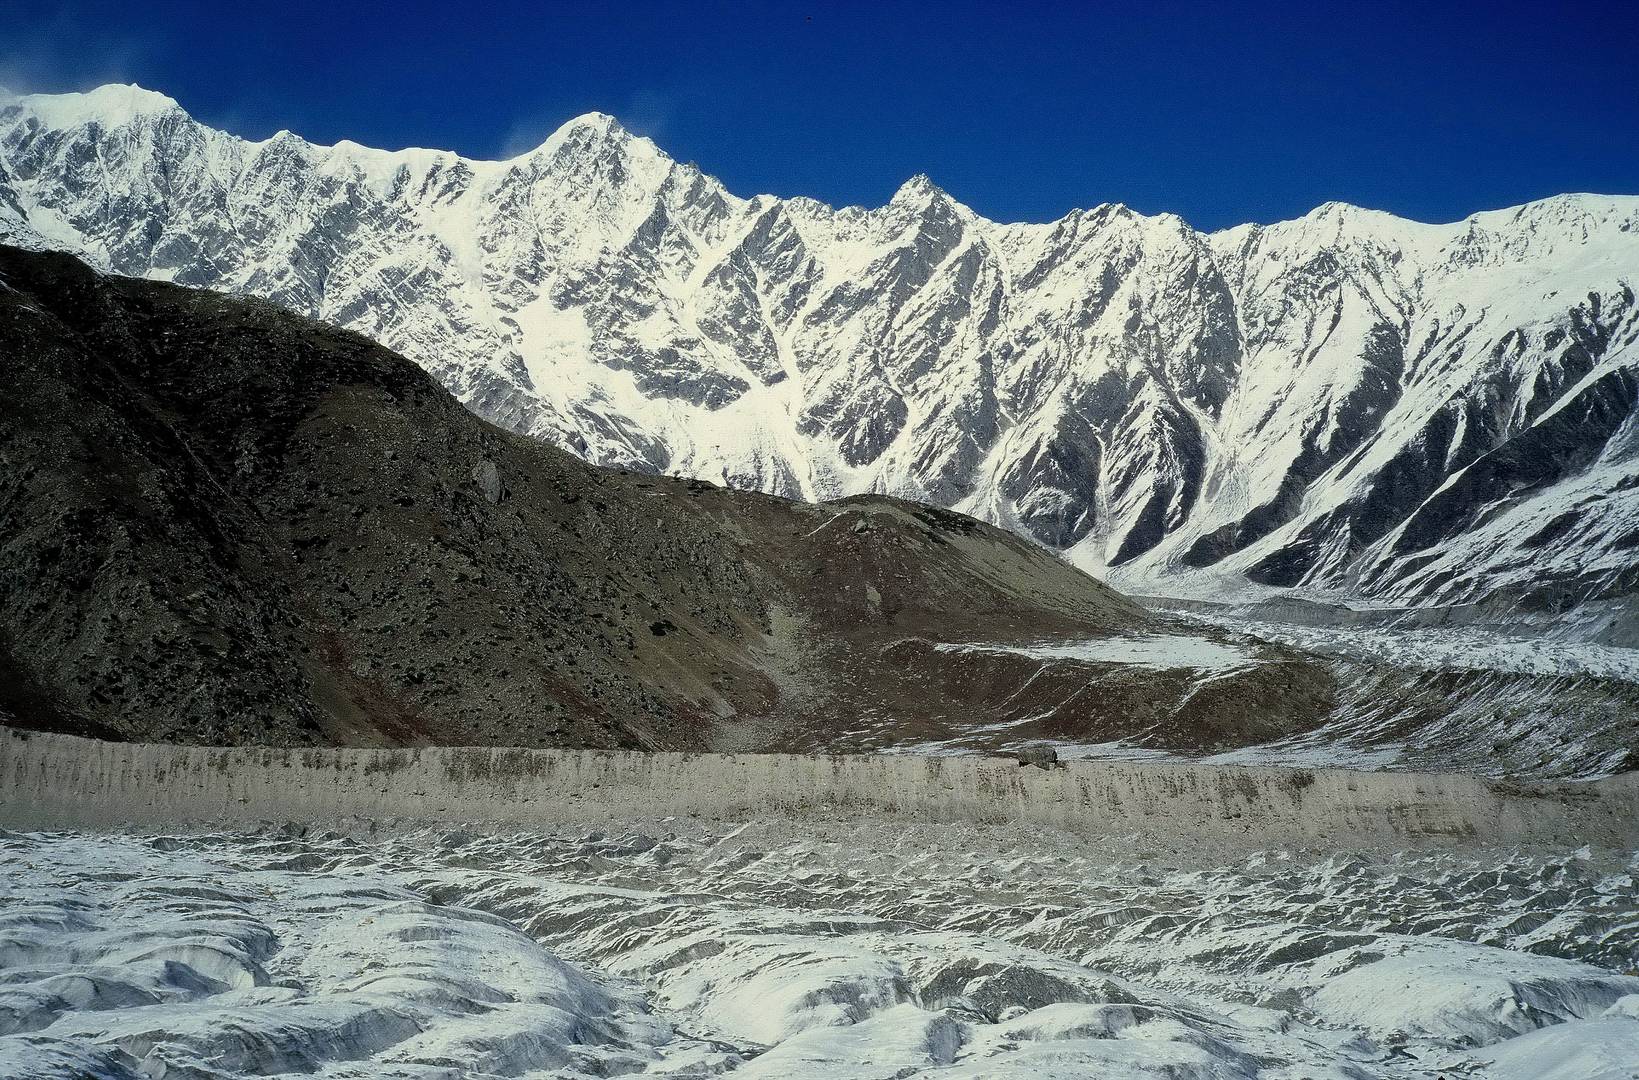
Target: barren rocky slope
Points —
{"points": [[222, 522], [1347, 402]]}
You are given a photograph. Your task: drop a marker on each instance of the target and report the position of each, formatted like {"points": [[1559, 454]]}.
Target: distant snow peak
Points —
{"points": [[593, 129], [918, 188], [109, 105], [1347, 401]]}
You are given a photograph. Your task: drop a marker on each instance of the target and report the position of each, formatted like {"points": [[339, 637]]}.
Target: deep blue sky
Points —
{"points": [[1219, 112]]}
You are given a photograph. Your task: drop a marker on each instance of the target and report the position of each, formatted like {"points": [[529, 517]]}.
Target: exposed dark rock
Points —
{"points": [[1041, 756], [488, 479]]}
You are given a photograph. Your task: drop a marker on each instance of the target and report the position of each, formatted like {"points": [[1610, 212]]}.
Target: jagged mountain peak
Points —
{"points": [[919, 188], [591, 127], [596, 120], [593, 132]]}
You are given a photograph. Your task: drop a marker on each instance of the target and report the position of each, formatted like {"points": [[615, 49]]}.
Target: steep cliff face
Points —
{"points": [[1348, 401]]}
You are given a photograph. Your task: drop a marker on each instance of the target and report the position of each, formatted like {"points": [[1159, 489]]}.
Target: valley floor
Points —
{"points": [[680, 948], [1502, 701]]}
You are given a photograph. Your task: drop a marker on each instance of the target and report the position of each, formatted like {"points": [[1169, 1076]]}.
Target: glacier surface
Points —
{"points": [[686, 948]]}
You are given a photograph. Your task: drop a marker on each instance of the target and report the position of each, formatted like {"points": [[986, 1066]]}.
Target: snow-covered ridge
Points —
{"points": [[1348, 401]]}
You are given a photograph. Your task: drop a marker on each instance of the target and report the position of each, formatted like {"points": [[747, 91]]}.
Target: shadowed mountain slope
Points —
{"points": [[223, 522]]}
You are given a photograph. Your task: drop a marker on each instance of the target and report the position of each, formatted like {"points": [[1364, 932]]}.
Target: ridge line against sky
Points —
{"points": [[1219, 113], [6, 93]]}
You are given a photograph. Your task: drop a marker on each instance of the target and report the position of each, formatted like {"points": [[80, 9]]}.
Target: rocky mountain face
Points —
{"points": [[1349, 402]]}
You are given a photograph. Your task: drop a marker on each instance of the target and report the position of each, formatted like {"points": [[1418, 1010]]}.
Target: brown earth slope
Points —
{"points": [[220, 522]]}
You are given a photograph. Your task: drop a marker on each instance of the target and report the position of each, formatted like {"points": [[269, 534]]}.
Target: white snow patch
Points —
{"points": [[1146, 650]]}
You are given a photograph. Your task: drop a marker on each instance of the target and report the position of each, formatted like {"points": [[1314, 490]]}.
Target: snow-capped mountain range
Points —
{"points": [[1350, 401]]}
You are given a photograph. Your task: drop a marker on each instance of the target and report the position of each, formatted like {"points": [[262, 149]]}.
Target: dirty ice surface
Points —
{"points": [[686, 949], [1461, 648], [1142, 650]]}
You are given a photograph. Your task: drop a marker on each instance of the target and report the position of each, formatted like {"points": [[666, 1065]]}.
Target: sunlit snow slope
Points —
{"points": [[1347, 401]]}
